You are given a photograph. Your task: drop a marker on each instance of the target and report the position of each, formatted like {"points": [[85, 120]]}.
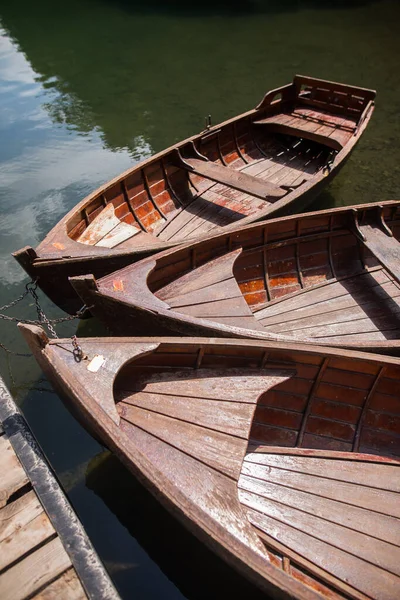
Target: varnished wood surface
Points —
{"points": [[44, 552], [283, 458], [235, 171], [308, 277]]}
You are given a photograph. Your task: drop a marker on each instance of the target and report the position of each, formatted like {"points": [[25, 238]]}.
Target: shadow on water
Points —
{"points": [[233, 8], [194, 569]]}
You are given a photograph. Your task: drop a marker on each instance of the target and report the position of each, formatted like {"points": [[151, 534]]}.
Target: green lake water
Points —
{"points": [[88, 88]]}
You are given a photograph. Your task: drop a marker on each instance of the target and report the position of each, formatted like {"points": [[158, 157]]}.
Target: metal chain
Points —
{"points": [[77, 350], [41, 316], [3, 347], [30, 288]]}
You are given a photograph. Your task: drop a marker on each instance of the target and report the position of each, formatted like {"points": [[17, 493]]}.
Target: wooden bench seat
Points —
{"points": [[235, 179], [325, 128]]}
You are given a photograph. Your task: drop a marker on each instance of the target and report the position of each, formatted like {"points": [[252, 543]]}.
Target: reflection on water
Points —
{"points": [[89, 87]]}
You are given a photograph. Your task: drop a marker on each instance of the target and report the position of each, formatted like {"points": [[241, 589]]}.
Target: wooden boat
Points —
{"points": [[328, 277], [273, 159], [283, 458]]}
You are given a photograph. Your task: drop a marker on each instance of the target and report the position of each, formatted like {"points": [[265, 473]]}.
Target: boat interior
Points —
{"points": [[311, 277], [228, 172], [311, 441]]}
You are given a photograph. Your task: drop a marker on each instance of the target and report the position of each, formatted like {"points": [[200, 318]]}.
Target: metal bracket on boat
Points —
{"points": [[208, 122]]}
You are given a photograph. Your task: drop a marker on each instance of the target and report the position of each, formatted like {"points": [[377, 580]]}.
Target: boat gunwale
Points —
{"points": [[85, 252]]}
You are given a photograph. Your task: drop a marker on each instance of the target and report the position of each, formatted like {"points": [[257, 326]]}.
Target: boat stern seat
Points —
{"points": [[211, 292], [319, 126], [337, 513]]}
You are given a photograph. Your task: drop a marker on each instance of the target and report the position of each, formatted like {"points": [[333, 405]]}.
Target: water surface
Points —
{"points": [[88, 88]]}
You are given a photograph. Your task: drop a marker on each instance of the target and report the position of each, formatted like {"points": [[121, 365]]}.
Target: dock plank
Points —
{"points": [[13, 476], [25, 539], [34, 571], [18, 514], [66, 587]]}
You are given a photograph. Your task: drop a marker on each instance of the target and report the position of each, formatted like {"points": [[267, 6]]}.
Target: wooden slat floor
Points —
{"points": [[216, 205], [342, 515], [332, 312], [34, 562]]}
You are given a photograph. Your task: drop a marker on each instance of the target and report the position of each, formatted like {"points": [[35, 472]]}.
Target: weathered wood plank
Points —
{"points": [[34, 571], [66, 587], [120, 233], [215, 271], [200, 488], [25, 540], [13, 476], [376, 552], [385, 248], [343, 565], [373, 524], [19, 513], [236, 179], [100, 226], [377, 475], [222, 416], [241, 385], [386, 502], [217, 450]]}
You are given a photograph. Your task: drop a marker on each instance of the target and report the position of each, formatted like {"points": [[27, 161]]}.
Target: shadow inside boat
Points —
{"points": [[377, 304], [195, 571]]}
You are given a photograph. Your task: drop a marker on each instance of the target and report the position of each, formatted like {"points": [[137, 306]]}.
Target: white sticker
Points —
{"points": [[96, 362]]}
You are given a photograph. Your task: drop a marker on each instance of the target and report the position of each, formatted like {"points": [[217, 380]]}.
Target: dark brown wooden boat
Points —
{"points": [[283, 458], [329, 277], [273, 159]]}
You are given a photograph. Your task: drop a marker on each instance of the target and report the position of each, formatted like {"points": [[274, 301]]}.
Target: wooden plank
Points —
{"points": [[299, 129], [19, 513], [368, 579], [50, 560], [380, 476], [100, 226], [373, 524], [66, 587], [203, 491], [386, 502], [25, 539], [214, 271], [119, 234], [384, 247], [13, 476], [235, 385], [215, 291], [236, 179], [374, 551], [222, 416], [217, 450], [34, 571]]}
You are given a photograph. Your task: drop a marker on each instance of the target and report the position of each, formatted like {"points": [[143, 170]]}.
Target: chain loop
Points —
{"points": [[77, 350]]}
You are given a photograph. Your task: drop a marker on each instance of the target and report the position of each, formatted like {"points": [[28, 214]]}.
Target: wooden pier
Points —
{"points": [[45, 553]]}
